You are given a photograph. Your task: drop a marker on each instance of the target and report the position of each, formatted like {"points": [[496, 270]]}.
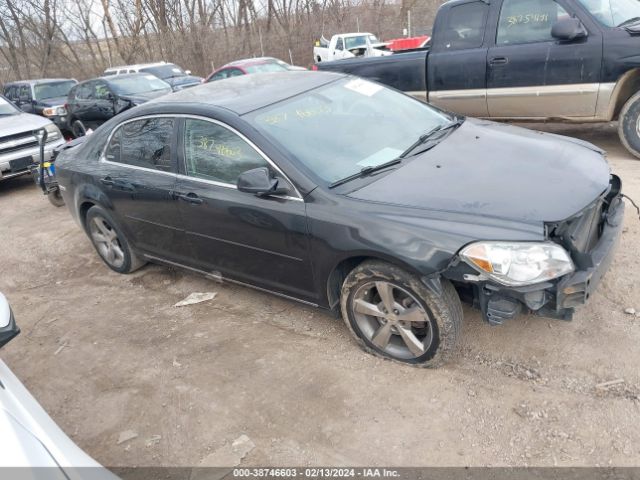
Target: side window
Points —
{"points": [[101, 92], [143, 143], [10, 93], [213, 152], [235, 72], [466, 25], [220, 75], [526, 21], [340, 44], [25, 91]]}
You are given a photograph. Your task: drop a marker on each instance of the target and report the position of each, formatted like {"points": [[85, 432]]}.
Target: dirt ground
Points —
{"points": [[109, 355]]}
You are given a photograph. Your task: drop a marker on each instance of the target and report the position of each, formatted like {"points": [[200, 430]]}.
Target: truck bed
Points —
{"points": [[405, 71]]}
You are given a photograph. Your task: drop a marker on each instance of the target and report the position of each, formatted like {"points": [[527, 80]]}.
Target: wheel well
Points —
{"points": [[627, 86], [82, 212], [337, 276]]}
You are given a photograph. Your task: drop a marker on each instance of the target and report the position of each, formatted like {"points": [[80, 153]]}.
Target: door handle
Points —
{"points": [[187, 197], [107, 181], [499, 61]]}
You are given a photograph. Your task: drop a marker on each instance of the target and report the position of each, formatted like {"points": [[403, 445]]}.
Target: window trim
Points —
{"points": [[180, 160]]}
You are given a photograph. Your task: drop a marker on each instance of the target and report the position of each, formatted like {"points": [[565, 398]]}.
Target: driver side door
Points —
{"points": [[261, 241]]}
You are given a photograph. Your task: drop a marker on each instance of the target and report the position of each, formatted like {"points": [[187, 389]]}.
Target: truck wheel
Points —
{"points": [[629, 125], [55, 197], [78, 129], [109, 241], [392, 314]]}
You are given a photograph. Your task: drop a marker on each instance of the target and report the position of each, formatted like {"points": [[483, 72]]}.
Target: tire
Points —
{"points": [[109, 241], [55, 197], [422, 330], [78, 129], [629, 125]]}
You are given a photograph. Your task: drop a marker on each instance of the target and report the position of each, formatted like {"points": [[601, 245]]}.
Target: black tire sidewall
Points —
{"points": [[628, 125], [445, 311], [96, 211], [79, 125], [55, 197]]}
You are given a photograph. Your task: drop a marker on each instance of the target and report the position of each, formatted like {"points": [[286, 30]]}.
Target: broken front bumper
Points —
{"points": [[558, 298]]}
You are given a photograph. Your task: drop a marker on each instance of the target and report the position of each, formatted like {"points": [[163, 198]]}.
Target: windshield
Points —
{"points": [[137, 84], [337, 130], [6, 107], [266, 67], [165, 71], [360, 41], [613, 13], [44, 91]]}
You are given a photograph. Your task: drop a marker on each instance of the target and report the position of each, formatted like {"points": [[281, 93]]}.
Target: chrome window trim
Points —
{"points": [[103, 158]]}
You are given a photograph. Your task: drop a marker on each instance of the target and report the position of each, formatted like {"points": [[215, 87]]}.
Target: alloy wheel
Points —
{"points": [[106, 240], [392, 320]]}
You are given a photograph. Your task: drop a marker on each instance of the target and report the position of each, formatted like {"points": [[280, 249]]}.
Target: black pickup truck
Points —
{"points": [[564, 60]]}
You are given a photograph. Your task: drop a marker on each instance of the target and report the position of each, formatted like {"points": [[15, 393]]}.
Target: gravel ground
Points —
{"points": [[110, 357]]}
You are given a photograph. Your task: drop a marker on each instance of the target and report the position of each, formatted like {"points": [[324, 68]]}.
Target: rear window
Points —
{"points": [[266, 67]]}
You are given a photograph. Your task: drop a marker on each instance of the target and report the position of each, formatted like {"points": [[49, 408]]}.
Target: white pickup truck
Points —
{"points": [[349, 45]]}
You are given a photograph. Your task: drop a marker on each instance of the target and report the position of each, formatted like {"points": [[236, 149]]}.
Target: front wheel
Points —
{"points": [[629, 125], [110, 242], [55, 197], [392, 314]]}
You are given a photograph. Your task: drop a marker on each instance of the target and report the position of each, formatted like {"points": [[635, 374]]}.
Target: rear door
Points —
{"points": [[531, 74], [138, 174], [457, 66], [261, 241]]}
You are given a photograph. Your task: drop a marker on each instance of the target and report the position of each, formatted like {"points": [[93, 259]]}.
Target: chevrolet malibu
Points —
{"points": [[347, 195]]}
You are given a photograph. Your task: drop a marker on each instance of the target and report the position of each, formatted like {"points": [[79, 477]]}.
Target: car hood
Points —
{"points": [[52, 102], [497, 170], [21, 122]]}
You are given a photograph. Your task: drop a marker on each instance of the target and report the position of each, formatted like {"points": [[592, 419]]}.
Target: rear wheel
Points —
{"points": [[78, 129], [392, 314], [629, 125], [109, 241]]}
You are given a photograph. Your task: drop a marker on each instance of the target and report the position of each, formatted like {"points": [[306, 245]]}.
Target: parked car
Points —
{"points": [[93, 102], [391, 218], [33, 446], [349, 45], [19, 147], [46, 97], [250, 65], [171, 73], [571, 60]]}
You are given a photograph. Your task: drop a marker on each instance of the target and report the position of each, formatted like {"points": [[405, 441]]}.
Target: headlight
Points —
{"points": [[51, 111], [53, 133], [518, 263]]}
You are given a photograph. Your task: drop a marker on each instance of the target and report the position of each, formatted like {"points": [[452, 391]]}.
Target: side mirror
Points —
{"points": [[8, 327], [259, 182], [567, 29]]}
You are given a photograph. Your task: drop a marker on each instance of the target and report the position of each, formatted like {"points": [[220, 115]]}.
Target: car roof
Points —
{"points": [[246, 93], [245, 62], [137, 65], [38, 81]]}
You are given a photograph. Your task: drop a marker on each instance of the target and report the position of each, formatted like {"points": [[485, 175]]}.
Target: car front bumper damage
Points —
{"points": [[554, 299]]}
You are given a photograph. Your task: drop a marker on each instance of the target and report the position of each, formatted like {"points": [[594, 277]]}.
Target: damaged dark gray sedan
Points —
{"points": [[345, 194]]}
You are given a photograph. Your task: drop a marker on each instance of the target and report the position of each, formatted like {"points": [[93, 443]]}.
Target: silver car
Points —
{"points": [[33, 446], [18, 145]]}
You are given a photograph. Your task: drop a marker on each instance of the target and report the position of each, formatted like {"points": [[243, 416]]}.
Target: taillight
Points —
{"points": [[314, 68]]}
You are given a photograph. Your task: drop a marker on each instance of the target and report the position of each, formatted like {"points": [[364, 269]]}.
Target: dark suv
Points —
{"points": [[93, 102], [46, 97]]}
